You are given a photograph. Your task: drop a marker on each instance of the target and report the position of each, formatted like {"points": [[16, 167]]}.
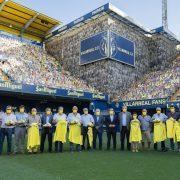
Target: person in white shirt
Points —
{"points": [[59, 117], [86, 121], [7, 124], [72, 118], [1, 114], [20, 130]]}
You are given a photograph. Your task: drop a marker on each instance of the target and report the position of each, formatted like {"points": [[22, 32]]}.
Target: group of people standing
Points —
{"points": [[85, 129]]}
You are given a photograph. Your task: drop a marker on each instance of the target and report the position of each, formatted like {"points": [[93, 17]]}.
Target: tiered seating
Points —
{"points": [[30, 64], [176, 95], [156, 84]]}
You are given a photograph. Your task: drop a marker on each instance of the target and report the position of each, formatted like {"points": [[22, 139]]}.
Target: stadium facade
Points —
{"points": [[103, 72], [106, 48]]}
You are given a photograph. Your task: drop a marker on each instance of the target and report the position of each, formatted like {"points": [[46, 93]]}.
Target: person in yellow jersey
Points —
{"points": [[159, 120], [74, 122], [135, 133], [33, 123], [173, 118], [60, 120]]}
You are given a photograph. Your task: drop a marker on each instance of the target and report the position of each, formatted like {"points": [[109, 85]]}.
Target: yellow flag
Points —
{"points": [[170, 128], [177, 131], [159, 132], [90, 136], [61, 130], [75, 134], [135, 131], [33, 137]]}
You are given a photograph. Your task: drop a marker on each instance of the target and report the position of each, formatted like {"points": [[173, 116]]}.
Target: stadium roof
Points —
{"points": [[103, 10], [167, 33], [22, 21], [116, 13]]}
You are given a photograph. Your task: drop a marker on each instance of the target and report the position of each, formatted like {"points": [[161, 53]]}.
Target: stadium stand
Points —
{"points": [[153, 54], [156, 84], [21, 62], [155, 74], [176, 95]]}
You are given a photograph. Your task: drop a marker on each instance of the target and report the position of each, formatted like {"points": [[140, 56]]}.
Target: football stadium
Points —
{"points": [[97, 98]]}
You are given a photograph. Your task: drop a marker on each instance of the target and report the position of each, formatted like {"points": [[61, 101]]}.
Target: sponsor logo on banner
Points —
{"points": [[10, 86], [98, 96], [148, 102], [97, 11], [46, 90], [75, 93], [41, 90]]}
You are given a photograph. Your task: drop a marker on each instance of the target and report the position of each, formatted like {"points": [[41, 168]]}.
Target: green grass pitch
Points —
{"points": [[95, 165]]}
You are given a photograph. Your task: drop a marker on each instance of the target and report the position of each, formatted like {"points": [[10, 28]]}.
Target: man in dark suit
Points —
{"points": [[125, 118], [46, 121], [116, 105], [111, 121], [98, 128]]}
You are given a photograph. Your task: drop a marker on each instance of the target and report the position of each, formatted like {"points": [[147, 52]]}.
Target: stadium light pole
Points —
{"points": [[164, 14]]}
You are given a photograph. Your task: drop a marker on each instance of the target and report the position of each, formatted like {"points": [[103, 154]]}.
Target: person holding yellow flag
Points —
{"points": [[177, 133], [33, 123], [135, 133], [172, 126], [74, 122], [159, 120], [60, 120], [87, 122]]}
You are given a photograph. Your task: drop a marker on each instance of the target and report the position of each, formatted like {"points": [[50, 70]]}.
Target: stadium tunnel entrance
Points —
{"points": [[41, 102]]}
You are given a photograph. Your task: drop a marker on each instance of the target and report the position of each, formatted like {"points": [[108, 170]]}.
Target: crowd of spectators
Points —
{"points": [[66, 49], [156, 84], [152, 55], [30, 64], [154, 74], [176, 95]]}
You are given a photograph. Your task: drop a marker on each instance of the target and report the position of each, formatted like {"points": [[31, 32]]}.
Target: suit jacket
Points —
{"points": [[175, 115], [128, 119], [99, 124], [43, 119], [108, 122]]}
